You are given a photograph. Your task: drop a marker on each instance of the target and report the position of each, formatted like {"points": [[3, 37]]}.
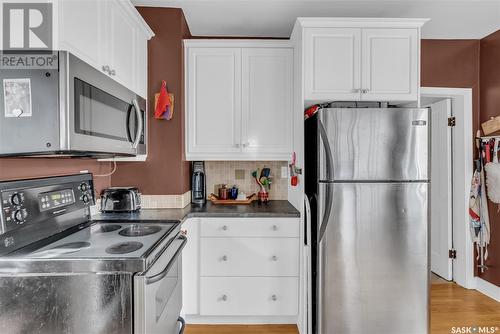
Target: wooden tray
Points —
{"points": [[215, 200]]}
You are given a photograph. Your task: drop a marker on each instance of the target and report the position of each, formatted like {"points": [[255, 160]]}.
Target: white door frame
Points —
{"points": [[462, 170]]}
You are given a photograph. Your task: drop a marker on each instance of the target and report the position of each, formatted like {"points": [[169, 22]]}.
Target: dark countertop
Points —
{"points": [[274, 209]]}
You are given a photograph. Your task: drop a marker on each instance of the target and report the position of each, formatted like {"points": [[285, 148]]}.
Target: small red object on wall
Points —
{"points": [[163, 101]]}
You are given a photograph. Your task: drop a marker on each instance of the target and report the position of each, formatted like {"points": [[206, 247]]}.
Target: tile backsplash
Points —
{"points": [[239, 173]]}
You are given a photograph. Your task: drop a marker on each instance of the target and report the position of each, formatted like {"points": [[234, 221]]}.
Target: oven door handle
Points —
{"points": [[163, 273], [139, 122]]}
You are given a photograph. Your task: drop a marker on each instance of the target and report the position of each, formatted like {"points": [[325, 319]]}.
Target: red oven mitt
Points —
{"points": [[163, 101]]}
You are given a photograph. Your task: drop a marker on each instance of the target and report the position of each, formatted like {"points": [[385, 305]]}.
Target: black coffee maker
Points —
{"points": [[198, 183]]}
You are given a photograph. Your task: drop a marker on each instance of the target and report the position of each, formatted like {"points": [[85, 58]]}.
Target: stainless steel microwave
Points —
{"points": [[72, 110]]}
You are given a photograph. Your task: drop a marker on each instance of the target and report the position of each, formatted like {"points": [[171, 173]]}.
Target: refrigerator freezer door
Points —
{"points": [[366, 144], [373, 267]]}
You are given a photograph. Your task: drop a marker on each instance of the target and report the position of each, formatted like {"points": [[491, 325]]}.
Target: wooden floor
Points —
{"points": [[454, 306], [451, 306]]}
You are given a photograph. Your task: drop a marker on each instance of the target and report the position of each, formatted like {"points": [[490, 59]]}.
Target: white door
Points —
{"points": [[332, 64], [441, 189], [80, 29], [390, 65], [121, 43], [267, 88], [214, 102]]}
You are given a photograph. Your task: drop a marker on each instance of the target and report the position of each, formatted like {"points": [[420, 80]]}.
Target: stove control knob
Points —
{"points": [[18, 216], [16, 199], [83, 186], [85, 199]]}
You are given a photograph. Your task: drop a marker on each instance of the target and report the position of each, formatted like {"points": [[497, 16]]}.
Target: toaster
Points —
{"points": [[120, 199]]}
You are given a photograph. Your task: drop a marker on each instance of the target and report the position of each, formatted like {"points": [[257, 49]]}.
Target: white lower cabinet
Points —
{"points": [[249, 296], [249, 257], [237, 270]]}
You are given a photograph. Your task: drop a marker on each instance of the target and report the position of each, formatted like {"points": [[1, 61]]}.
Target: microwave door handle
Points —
{"points": [[163, 273], [127, 124], [140, 125]]}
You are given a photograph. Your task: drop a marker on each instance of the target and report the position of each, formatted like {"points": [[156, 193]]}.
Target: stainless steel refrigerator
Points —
{"points": [[367, 181]]}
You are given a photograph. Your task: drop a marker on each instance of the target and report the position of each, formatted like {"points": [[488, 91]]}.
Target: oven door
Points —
{"points": [[158, 293], [104, 116]]}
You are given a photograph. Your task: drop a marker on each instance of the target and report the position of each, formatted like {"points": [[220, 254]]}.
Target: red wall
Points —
{"points": [[36, 167], [165, 171], [452, 63], [490, 106]]}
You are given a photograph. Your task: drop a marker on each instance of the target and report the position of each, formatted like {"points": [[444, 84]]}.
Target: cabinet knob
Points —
{"points": [[274, 298], [106, 68], [275, 227], [224, 258], [356, 90], [274, 258], [224, 298], [364, 91], [246, 144], [184, 232], [224, 228], [237, 145], [112, 72]]}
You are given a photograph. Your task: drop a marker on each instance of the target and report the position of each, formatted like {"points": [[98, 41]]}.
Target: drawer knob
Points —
{"points": [[274, 258], [224, 228], [224, 258], [224, 298], [275, 227], [274, 298]]}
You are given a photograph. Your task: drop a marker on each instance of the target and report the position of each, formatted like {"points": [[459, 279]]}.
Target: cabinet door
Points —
{"points": [[390, 65], [141, 68], [81, 29], [190, 268], [121, 43], [267, 83], [332, 63], [214, 103]]}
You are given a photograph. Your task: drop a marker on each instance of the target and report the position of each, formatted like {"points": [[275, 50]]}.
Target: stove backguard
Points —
{"points": [[34, 209]]}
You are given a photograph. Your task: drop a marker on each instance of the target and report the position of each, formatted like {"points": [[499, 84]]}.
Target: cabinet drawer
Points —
{"points": [[249, 257], [247, 296], [250, 227]]}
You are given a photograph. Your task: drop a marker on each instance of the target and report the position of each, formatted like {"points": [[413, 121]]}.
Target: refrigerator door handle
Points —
{"points": [[329, 177], [328, 152], [328, 203]]}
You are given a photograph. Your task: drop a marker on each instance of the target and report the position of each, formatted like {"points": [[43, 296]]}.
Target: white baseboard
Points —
{"points": [[238, 320], [488, 289]]}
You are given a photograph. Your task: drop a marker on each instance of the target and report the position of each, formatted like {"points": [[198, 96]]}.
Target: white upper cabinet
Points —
{"points": [[214, 102], [121, 44], [81, 26], [333, 63], [109, 35], [390, 64], [239, 100], [267, 83], [349, 59]]}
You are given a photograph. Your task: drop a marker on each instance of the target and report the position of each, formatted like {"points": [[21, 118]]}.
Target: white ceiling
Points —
{"points": [[450, 19]]}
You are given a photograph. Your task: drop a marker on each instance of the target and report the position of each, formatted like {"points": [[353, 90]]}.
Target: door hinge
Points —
{"points": [[452, 253], [451, 121]]}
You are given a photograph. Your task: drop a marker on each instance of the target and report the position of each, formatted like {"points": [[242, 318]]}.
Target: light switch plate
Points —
{"points": [[284, 172]]}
